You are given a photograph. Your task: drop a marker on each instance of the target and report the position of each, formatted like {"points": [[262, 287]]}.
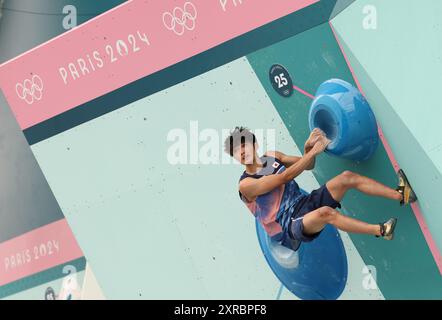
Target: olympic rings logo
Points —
{"points": [[181, 19], [30, 90]]}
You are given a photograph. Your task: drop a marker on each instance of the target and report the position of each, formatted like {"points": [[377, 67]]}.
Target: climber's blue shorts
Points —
{"points": [[316, 199]]}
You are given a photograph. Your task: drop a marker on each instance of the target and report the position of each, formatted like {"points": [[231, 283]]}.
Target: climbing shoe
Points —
{"points": [[387, 229], [404, 188]]}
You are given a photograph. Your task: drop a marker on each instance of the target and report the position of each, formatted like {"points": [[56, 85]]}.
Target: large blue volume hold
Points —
{"points": [[345, 116], [317, 270]]}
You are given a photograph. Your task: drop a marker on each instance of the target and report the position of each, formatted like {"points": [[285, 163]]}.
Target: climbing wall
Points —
{"points": [[407, 108], [125, 152], [311, 58], [37, 247]]}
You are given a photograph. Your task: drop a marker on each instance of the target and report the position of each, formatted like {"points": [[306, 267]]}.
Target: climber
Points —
{"points": [[269, 190]]}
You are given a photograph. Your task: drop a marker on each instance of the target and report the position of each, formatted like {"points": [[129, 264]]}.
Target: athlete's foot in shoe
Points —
{"points": [[386, 229], [404, 189]]}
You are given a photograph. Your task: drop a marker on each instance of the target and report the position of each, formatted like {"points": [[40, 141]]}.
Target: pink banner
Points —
{"points": [[122, 45], [36, 251]]}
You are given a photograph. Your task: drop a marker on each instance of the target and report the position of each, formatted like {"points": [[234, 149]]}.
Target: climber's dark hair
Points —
{"points": [[237, 137]]}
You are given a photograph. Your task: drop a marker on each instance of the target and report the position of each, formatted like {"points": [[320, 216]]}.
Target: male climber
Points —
{"points": [[269, 190]]}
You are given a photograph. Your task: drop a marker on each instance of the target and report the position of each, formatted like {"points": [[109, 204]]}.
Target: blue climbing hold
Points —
{"points": [[317, 270], [342, 112]]}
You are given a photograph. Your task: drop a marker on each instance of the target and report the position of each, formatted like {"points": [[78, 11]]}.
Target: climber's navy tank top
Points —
{"points": [[272, 209]]}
